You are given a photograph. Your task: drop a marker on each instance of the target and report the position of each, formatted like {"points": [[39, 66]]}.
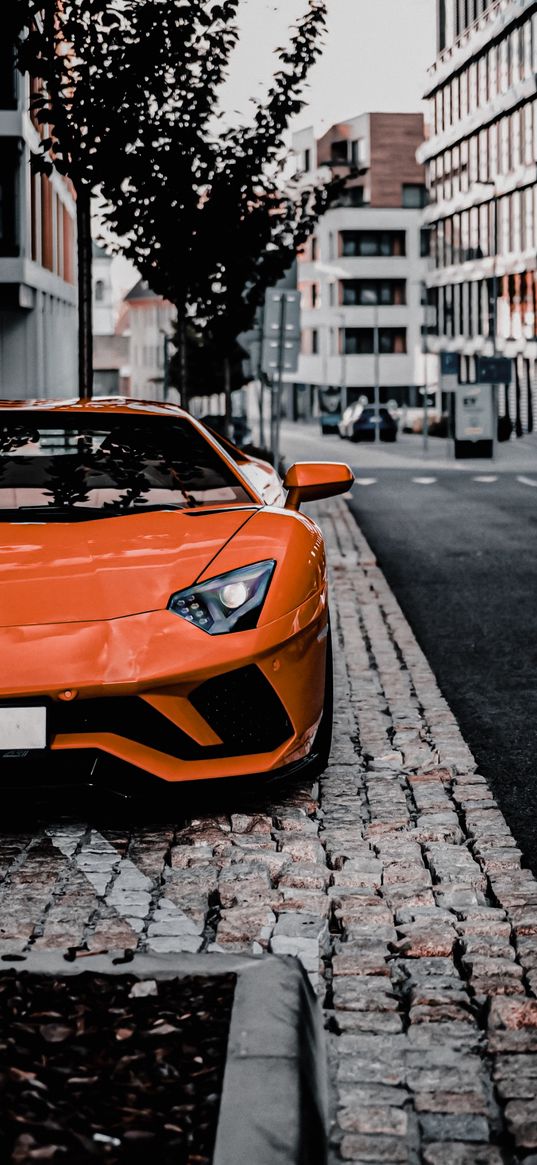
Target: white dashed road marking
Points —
{"points": [[366, 481], [424, 480], [486, 478], [527, 481]]}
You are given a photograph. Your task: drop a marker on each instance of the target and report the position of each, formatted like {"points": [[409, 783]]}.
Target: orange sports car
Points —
{"points": [[162, 601]]}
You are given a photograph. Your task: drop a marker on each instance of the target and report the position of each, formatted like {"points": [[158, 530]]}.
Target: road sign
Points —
{"points": [[290, 351], [281, 331], [450, 363], [273, 313], [494, 370]]}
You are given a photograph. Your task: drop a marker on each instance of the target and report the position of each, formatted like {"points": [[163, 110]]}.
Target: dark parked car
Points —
{"points": [[363, 428], [329, 423]]}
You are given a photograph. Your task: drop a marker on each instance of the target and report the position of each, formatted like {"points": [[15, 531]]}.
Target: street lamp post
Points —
{"points": [[376, 352], [166, 371], [426, 369]]}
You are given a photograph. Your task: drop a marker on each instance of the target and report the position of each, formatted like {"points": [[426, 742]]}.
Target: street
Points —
{"points": [[394, 880], [458, 549]]}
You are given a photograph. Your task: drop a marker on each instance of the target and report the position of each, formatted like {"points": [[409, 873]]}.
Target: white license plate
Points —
{"points": [[23, 728]]}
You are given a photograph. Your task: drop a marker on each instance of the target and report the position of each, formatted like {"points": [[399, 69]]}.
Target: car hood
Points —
{"points": [[108, 568]]}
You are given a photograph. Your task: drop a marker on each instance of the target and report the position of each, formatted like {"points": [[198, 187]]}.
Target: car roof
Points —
{"points": [[97, 404]]}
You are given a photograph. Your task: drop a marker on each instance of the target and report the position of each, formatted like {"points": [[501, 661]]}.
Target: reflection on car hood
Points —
{"points": [[107, 568]]}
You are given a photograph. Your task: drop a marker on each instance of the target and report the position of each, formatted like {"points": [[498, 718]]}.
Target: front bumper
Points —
{"points": [[234, 705]]}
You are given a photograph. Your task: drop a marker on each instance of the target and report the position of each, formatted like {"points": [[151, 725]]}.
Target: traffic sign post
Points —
{"points": [[281, 349]]}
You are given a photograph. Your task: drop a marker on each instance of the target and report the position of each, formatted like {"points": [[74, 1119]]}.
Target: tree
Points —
{"points": [[104, 72], [215, 223]]}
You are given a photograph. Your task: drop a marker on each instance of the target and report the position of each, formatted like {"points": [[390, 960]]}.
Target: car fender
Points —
{"points": [[295, 543]]}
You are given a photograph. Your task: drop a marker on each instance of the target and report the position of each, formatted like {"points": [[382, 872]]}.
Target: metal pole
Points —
{"points": [[261, 333], [495, 278], [425, 372], [166, 384], [495, 235], [376, 351], [277, 389], [343, 368]]}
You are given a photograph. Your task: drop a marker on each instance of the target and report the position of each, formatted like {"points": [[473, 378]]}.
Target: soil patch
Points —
{"points": [[95, 1068]]}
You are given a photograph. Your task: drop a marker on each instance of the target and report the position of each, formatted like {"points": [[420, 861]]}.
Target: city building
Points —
{"points": [[361, 273], [480, 155], [38, 316], [111, 373], [150, 325]]}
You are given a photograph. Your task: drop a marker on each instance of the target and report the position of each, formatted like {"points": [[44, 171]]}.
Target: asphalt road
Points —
{"points": [[460, 555], [461, 558]]}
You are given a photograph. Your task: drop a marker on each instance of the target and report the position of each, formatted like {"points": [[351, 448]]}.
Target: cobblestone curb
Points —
{"points": [[397, 883]]}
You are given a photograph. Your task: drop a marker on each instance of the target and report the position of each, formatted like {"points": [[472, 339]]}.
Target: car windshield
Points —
{"points": [[102, 465]]}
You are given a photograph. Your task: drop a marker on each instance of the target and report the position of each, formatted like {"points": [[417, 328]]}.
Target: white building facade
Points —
{"points": [[480, 155], [38, 314], [362, 273], [150, 325]]}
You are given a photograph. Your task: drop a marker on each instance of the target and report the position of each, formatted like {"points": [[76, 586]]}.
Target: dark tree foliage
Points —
{"points": [[127, 94], [105, 71], [206, 371], [214, 223]]}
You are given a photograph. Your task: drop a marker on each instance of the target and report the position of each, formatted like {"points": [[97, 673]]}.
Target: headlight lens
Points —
{"points": [[229, 602]]}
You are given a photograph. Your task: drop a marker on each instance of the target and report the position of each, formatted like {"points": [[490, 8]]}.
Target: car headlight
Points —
{"points": [[229, 602]]}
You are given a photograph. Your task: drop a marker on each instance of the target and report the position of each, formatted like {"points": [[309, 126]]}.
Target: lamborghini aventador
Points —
{"points": [[162, 602]]}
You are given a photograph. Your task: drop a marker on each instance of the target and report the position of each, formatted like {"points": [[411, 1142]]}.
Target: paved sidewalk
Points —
{"points": [[397, 883], [519, 455]]}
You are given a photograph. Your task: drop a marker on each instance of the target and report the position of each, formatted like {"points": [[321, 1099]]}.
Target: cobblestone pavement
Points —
{"points": [[396, 882]]}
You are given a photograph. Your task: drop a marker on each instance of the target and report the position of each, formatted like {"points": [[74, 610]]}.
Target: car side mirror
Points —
{"points": [[307, 481]]}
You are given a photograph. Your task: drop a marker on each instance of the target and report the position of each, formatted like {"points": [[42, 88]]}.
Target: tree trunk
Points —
{"points": [[85, 322], [261, 399], [227, 390], [182, 364]]}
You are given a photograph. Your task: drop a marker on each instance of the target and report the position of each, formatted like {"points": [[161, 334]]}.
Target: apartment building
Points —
{"points": [[111, 374], [150, 320], [38, 317], [480, 156], [361, 273]]}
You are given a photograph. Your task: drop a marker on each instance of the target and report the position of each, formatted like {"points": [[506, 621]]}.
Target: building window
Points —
{"points": [[528, 133], [314, 249], [350, 196], [307, 161], [358, 153], [8, 81], [425, 242], [482, 73], [439, 112], [526, 31], [504, 66], [414, 196], [363, 293], [366, 244], [464, 93], [493, 72], [314, 341], [8, 183], [361, 341], [339, 152], [483, 161], [455, 99], [99, 291]]}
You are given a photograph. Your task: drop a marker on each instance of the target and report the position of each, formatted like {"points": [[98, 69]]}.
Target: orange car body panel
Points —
{"points": [[84, 615]]}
